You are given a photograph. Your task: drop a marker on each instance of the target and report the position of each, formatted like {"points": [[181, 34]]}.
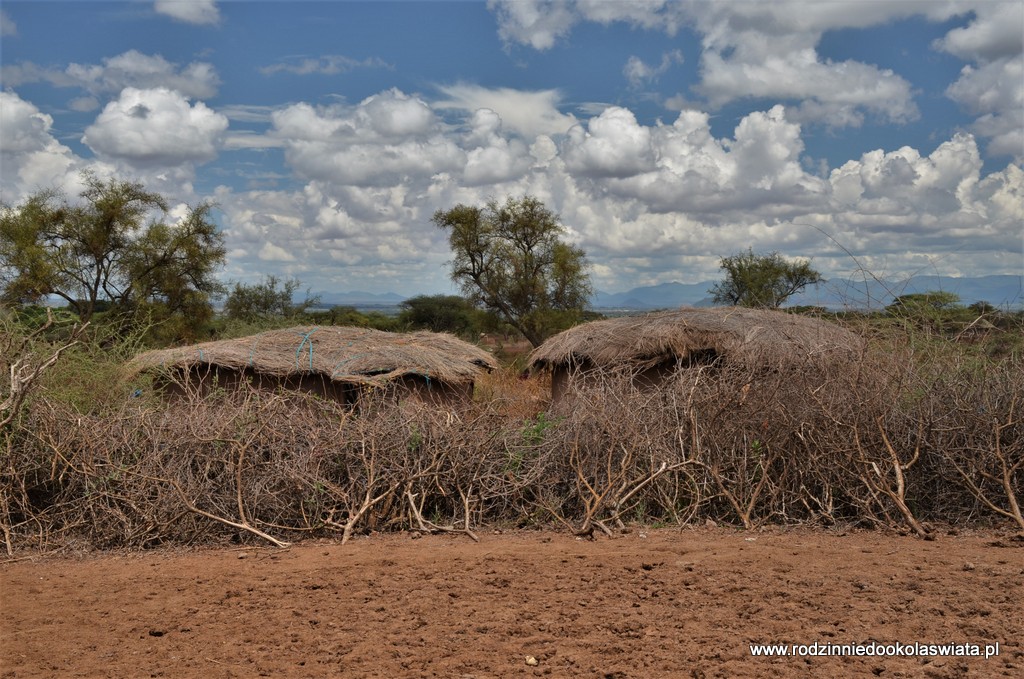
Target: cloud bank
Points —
{"points": [[354, 184]]}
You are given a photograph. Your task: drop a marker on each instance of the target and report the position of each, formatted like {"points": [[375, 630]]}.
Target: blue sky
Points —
{"points": [[665, 134]]}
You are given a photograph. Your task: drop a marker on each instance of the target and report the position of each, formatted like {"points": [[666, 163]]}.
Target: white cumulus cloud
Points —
{"points": [[29, 154], [198, 79], [7, 26], [898, 201], [156, 127], [538, 23], [639, 73], [995, 92], [649, 203], [750, 49], [992, 86], [541, 23], [612, 145], [201, 12], [386, 139], [135, 69], [836, 88], [527, 113], [994, 32], [274, 253], [491, 158], [682, 167], [395, 114], [25, 128]]}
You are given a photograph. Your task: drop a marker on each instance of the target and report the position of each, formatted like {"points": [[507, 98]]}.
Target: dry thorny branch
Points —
{"points": [[24, 368], [728, 445], [1006, 468]]}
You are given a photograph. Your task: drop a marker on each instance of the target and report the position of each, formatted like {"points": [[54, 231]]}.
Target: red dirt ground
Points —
{"points": [[659, 603]]}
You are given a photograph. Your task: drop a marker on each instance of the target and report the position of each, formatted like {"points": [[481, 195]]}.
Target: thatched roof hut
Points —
{"points": [[653, 346], [335, 362]]}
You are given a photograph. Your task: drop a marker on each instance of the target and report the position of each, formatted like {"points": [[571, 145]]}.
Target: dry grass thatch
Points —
{"points": [[737, 335], [340, 354]]}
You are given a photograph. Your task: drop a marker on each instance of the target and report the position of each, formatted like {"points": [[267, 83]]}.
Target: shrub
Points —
{"points": [[900, 438]]}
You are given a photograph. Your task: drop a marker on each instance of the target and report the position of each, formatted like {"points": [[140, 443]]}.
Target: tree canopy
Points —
{"points": [[510, 259], [762, 281], [100, 252], [269, 298], [922, 303], [441, 313], [935, 310]]}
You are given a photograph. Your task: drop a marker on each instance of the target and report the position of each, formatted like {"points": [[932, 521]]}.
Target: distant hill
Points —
{"points": [[358, 298], [655, 296], [1000, 291]]}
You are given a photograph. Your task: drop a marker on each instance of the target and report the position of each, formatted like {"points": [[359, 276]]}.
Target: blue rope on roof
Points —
{"points": [[252, 350], [298, 350], [334, 371]]}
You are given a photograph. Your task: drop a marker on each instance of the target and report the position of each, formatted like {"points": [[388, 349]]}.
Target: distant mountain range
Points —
{"points": [[1005, 291], [358, 298], [1001, 291], [656, 296]]}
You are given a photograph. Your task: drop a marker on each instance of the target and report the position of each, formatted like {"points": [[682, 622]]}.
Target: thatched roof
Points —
{"points": [[737, 335], [341, 354]]}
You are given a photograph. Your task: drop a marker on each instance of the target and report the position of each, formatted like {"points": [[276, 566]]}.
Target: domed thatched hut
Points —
{"points": [[652, 347], [334, 362]]}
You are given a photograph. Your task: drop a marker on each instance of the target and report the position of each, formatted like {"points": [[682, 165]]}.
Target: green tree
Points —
{"points": [[936, 310], [983, 308], [100, 253], [441, 313], [340, 315], [762, 281], [511, 260], [931, 303], [269, 298]]}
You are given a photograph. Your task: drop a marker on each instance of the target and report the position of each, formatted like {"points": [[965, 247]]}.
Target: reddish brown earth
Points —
{"points": [[661, 603]]}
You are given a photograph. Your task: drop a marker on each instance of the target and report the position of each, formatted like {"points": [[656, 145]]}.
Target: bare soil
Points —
{"points": [[657, 603]]}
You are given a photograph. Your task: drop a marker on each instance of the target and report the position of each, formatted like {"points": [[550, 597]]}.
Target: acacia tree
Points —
{"points": [[762, 281], [441, 313], [511, 259], [101, 253], [923, 303], [269, 298], [936, 310]]}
